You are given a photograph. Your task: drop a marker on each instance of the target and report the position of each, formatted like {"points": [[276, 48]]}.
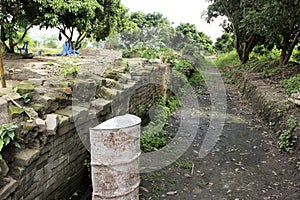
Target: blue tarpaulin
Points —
{"points": [[68, 50]]}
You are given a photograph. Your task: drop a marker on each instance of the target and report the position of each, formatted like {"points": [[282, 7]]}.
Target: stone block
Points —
{"points": [[3, 168], [4, 116], [37, 81], [41, 124], [25, 157], [8, 188], [51, 123], [17, 172]]}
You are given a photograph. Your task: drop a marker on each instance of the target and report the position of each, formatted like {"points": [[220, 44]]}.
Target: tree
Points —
{"points": [[196, 37], [144, 28], [225, 43], [15, 17], [279, 22], [236, 11]]}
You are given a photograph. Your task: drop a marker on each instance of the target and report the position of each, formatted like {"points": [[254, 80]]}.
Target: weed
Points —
{"points": [[25, 98], [154, 136], [156, 188], [171, 180], [200, 184], [87, 164], [150, 53], [185, 164], [50, 63], [286, 138], [7, 136], [184, 67], [69, 69], [291, 85]]}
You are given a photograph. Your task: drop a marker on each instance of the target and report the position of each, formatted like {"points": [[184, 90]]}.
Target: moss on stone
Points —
{"points": [[25, 87], [38, 107], [15, 111], [28, 126]]}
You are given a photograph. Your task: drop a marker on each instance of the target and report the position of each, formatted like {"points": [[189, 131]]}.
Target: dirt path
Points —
{"points": [[245, 164]]}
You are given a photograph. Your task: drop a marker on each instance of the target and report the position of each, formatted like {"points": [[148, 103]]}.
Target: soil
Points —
{"points": [[244, 164]]}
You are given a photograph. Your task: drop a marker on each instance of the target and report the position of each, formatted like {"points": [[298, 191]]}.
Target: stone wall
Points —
{"points": [[55, 127]]}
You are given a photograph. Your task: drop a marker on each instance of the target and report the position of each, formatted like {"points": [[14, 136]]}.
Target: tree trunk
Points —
{"points": [[3, 83], [291, 48], [283, 54]]}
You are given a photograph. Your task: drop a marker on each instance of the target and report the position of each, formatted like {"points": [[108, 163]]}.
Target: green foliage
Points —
{"points": [[150, 53], [286, 138], [16, 18], [292, 85], [69, 69], [26, 98], [184, 67], [7, 136], [154, 136], [196, 79], [262, 22], [228, 59], [197, 38], [225, 43], [264, 55]]}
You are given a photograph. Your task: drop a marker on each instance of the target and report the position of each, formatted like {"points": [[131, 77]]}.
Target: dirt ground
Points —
{"points": [[244, 164]]}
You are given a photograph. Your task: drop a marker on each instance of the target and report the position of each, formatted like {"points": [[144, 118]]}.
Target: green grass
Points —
{"points": [[227, 59]]}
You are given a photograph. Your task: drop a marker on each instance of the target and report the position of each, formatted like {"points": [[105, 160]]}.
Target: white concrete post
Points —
{"points": [[115, 151]]}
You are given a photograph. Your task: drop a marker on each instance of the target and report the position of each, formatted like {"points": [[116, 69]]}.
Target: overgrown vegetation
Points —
{"points": [[286, 139], [291, 85], [155, 136]]}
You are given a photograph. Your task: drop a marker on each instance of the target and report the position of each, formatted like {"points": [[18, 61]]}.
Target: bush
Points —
{"points": [[228, 59]]}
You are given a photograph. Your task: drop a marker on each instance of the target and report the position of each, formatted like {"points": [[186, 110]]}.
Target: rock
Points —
{"points": [[37, 81], [296, 95], [4, 117], [295, 98], [51, 123], [3, 168], [41, 124], [295, 101], [108, 93]]}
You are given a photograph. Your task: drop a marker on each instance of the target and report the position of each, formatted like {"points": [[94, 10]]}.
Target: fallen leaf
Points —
{"points": [[144, 189], [172, 193]]}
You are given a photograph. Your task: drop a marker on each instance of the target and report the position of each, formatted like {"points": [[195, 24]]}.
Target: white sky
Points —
{"points": [[178, 11]]}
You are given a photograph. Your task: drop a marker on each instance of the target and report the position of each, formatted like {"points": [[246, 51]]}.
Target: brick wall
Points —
{"points": [[55, 169]]}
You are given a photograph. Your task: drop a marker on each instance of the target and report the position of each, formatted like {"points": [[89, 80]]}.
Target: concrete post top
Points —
{"points": [[119, 122]]}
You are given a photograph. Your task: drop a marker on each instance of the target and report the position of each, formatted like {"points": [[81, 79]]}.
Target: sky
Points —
{"points": [[179, 11]]}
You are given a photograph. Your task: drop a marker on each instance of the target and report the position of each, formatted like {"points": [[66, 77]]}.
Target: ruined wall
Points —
{"points": [[50, 163]]}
